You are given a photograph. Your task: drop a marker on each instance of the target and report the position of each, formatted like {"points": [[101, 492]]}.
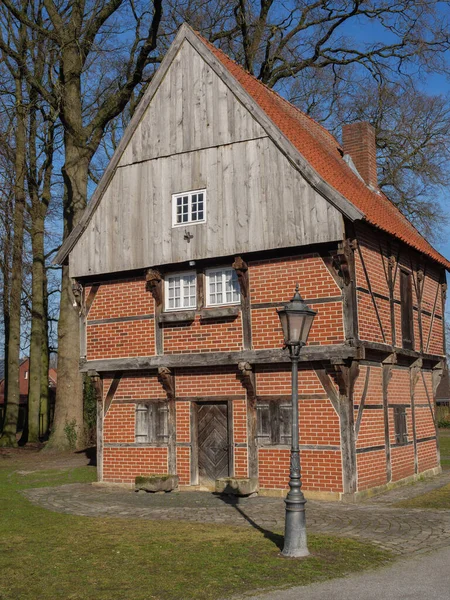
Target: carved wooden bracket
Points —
{"points": [[77, 291], [154, 285], [167, 380], [248, 378], [345, 373], [97, 384], [391, 359], [341, 260], [392, 261], [241, 268]]}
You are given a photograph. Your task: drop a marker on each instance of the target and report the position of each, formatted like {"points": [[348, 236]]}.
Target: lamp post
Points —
{"points": [[296, 319]]}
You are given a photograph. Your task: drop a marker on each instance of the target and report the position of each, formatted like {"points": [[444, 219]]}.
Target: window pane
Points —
{"points": [[174, 289], [189, 291], [223, 287], [189, 208]]}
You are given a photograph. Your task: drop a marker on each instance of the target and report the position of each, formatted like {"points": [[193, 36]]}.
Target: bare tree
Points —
{"points": [[413, 140], [8, 437], [83, 34], [109, 49]]}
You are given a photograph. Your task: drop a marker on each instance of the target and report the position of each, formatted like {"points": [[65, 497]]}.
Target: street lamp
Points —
{"points": [[296, 319]]}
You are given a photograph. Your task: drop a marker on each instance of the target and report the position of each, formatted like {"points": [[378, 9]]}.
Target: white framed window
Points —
{"points": [[222, 287], [188, 207], [181, 291]]}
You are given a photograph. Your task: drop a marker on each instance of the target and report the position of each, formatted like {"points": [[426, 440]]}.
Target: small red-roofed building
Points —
{"points": [[24, 384], [220, 197]]}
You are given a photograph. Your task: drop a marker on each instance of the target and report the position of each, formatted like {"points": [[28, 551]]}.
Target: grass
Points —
{"points": [[48, 555], [438, 499], [444, 443]]}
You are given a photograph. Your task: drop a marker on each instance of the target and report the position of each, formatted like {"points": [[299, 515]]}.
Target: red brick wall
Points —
{"points": [[216, 335], [119, 424], [217, 381], [274, 281], [375, 249], [121, 340], [426, 452], [375, 264], [121, 298], [122, 465], [371, 469]]}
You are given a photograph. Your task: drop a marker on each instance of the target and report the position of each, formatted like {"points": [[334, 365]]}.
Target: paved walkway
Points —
{"points": [[418, 578], [405, 532]]}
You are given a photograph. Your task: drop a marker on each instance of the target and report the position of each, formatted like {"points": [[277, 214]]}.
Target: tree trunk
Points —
{"points": [[37, 214], [37, 322], [68, 426], [45, 406], [6, 273], [8, 438]]}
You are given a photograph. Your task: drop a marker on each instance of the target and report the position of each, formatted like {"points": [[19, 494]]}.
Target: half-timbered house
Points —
{"points": [[220, 197]]}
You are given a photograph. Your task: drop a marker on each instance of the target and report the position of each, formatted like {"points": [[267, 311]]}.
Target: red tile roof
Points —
{"points": [[324, 154]]}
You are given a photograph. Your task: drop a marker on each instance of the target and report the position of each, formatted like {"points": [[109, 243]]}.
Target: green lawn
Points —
{"points": [[436, 500], [439, 498], [46, 555], [444, 443]]}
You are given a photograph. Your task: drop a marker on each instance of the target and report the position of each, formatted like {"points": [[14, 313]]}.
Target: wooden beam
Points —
{"points": [[346, 373], [206, 359], [414, 374], [386, 376], [241, 268], [248, 380], [387, 349], [392, 264], [194, 443], [362, 403], [98, 388], [346, 260], [167, 380], [112, 390]]}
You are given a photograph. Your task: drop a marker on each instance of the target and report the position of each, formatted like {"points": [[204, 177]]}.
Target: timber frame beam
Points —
{"points": [[210, 359]]}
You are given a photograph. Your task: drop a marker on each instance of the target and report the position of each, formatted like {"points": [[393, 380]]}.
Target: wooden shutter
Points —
{"points": [[263, 418], [406, 310], [161, 422], [141, 423], [401, 434], [285, 423]]}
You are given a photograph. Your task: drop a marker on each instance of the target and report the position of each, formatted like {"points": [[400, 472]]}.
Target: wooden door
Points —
{"points": [[213, 445]]}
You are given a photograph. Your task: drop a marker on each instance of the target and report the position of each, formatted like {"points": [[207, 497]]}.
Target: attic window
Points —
{"points": [[188, 207]]}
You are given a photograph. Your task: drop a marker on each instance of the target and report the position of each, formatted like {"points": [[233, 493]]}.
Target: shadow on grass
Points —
{"points": [[233, 501]]}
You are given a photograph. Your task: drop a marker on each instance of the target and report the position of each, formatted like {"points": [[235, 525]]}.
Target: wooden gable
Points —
{"points": [[198, 131]]}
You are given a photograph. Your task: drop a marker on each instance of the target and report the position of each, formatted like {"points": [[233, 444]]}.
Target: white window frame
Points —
{"points": [[224, 271], [189, 196], [166, 290]]}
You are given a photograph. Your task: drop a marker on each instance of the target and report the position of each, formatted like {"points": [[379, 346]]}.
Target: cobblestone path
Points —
{"points": [[404, 532]]}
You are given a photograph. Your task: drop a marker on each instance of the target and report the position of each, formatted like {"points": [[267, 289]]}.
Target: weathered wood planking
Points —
{"points": [[192, 109], [255, 200]]}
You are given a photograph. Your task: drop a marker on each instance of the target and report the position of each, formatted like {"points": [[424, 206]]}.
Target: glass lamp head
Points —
{"points": [[296, 320]]}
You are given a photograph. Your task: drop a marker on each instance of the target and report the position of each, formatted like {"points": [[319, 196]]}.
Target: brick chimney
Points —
{"points": [[358, 140]]}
